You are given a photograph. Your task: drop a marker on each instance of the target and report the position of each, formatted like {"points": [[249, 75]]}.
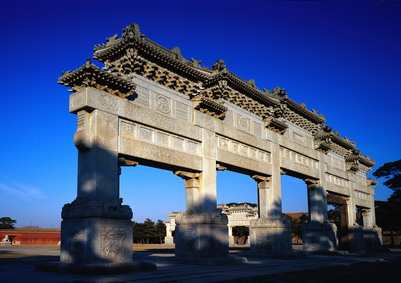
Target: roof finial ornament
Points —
{"points": [[252, 83], [327, 129], [132, 30], [88, 62], [220, 65], [196, 63], [176, 52], [111, 40], [279, 92]]}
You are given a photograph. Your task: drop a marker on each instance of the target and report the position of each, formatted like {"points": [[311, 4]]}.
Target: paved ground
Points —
{"points": [[17, 265]]}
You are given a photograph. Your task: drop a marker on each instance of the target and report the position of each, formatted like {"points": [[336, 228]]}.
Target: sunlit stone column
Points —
{"points": [[192, 190], [372, 239], [367, 218], [96, 229], [230, 236], [318, 234], [270, 234], [169, 239], [201, 232]]}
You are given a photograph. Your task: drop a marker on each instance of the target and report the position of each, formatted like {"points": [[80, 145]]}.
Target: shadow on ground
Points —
{"points": [[384, 271]]}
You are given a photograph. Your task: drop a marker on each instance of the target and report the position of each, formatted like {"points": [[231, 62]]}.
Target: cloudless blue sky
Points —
{"points": [[342, 58]]}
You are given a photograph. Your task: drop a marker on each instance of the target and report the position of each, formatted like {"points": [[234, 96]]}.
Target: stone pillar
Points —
{"points": [[270, 234], [96, 231], [367, 218], [231, 240], [201, 231], [318, 234], [169, 239], [192, 190], [372, 234]]}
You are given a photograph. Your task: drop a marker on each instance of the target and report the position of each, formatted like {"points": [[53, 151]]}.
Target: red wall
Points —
{"points": [[33, 236]]}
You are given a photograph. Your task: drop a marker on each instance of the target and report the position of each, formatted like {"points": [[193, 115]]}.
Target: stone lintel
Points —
{"points": [[336, 199], [158, 156], [243, 164]]}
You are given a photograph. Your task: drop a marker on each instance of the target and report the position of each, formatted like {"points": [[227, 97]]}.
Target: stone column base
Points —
{"points": [[356, 239], [201, 235], [319, 237], [372, 239], [96, 233], [231, 241], [168, 240], [270, 236]]}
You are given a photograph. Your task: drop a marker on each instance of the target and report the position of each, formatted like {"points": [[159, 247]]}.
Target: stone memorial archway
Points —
{"points": [[151, 106]]}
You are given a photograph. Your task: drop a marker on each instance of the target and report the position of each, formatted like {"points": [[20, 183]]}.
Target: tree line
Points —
{"points": [[149, 232], [388, 213]]}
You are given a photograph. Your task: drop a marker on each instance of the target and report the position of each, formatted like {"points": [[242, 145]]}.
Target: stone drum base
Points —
{"points": [[319, 237], [201, 235], [271, 237]]}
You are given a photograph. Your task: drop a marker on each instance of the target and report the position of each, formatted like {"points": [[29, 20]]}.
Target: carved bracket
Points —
{"points": [[356, 162], [259, 178], [275, 125], [220, 167], [210, 107], [187, 175], [372, 182], [126, 162], [311, 182]]}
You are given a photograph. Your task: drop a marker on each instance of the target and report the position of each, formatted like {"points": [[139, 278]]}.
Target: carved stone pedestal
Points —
{"points": [[355, 234], [271, 236], [168, 240], [372, 238], [96, 238], [202, 238], [201, 235], [363, 239], [319, 237]]}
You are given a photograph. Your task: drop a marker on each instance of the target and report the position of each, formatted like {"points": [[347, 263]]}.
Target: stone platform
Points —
{"points": [[18, 265]]}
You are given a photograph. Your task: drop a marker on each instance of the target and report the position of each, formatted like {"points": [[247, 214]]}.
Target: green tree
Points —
{"points": [[149, 232], [7, 223], [392, 172], [388, 213], [160, 230]]}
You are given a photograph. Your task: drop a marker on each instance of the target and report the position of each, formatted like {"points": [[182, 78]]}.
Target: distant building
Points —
{"points": [[22, 236]]}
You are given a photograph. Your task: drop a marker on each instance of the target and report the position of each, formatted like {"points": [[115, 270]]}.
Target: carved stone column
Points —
{"points": [[96, 231], [318, 234], [372, 239], [231, 240], [169, 239], [192, 190], [270, 234], [201, 233]]}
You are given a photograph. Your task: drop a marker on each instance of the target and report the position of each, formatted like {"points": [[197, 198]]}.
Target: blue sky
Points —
{"points": [[342, 58]]}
